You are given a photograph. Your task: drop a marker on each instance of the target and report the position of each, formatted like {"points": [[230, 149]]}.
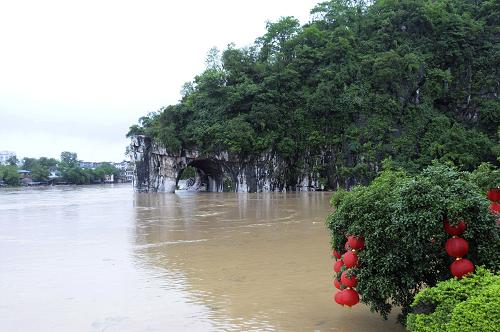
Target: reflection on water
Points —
{"points": [[106, 259]]}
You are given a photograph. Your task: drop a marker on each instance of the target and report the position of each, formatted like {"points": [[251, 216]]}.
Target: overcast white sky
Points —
{"points": [[74, 75]]}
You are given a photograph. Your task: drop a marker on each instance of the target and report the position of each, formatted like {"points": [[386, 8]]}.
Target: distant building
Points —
{"points": [[126, 171], [25, 177], [23, 173], [129, 175], [5, 155], [88, 164], [109, 178]]}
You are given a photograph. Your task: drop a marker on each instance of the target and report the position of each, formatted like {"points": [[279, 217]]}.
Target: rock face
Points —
{"points": [[157, 169]]}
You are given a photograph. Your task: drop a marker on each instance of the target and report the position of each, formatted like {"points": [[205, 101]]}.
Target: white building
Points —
{"points": [[5, 155]]}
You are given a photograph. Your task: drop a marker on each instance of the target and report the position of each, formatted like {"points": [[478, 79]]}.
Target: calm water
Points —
{"points": [[105, 259]]}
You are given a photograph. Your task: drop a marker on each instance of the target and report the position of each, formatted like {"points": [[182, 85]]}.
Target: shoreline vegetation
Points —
{"points": [[66, 171], [402, 219], [363, 81]]}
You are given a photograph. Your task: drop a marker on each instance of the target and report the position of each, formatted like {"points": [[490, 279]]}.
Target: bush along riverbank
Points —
{"points": [[402, 220], [470, 304]]}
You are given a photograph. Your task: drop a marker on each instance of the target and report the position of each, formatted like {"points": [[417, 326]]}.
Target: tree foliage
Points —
{"points": [[71, 171], [9, 175], [104, 169], [401, 218], [363, 81], [40, 168]]}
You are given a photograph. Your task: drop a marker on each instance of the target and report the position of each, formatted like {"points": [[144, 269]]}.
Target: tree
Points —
{"points": [[278, 34], [106, 169], [48, 162], [12, 161], [69, 158], [40, 168], [75, 175], [39, 172], [71, 172], [9, 175], [27, 163], [401, 218]]}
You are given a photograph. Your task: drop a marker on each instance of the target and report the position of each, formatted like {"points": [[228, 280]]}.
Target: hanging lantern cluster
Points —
{"points": [[494, 196], [345, 280], [458, 247]]}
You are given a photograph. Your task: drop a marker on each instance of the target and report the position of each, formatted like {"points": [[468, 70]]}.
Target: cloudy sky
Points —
{"points": [[74, 75]]}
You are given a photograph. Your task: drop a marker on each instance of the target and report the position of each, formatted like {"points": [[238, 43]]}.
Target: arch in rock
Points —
{"points": [[157, 169], [209, 174]]}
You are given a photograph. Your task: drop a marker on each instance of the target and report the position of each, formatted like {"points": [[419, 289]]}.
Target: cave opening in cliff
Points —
{"points": [[201, 175]]}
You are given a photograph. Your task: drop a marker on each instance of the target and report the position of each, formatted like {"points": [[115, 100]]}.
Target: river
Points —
{"points": [[103, 258]]}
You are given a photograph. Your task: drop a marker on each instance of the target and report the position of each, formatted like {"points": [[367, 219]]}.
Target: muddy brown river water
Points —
{"points": [[102, 258]]}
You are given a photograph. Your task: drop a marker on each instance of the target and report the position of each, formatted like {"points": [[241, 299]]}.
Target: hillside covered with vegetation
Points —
{"points": [[410, 80]]}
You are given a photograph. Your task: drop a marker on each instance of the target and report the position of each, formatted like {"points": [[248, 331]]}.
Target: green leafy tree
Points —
{"points": [[69, 159], [71, 172], [401, 218], [28, 163], [40, 168], [12, 161], [48, 162], [105, 169], [9, 175], [39, 172]]}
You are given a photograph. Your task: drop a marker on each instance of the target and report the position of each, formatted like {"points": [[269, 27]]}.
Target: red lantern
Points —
{"points": [[461, 267], [337, 266], [350, 297], [494, 194], [336, 283], [457, 247], [337, 254], [495, 207], [339, 298], [348, 281], [350, 259], [346, 246], [356, 242], [454, 230]]}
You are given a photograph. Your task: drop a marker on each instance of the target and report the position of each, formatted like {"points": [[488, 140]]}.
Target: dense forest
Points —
{"points": [[363, 81]]}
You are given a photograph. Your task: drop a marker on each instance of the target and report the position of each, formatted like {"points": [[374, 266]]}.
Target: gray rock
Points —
{"points": [[157, 169]]}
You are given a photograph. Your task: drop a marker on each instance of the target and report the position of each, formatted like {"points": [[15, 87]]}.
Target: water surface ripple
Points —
{"points": [[102, 258]]}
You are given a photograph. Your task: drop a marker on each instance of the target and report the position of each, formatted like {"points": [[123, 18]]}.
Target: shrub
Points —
{"points": [[470, 304], [401, 218]]}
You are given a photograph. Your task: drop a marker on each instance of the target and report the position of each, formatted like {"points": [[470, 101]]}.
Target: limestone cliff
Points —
{"points": [[157, 169]]}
